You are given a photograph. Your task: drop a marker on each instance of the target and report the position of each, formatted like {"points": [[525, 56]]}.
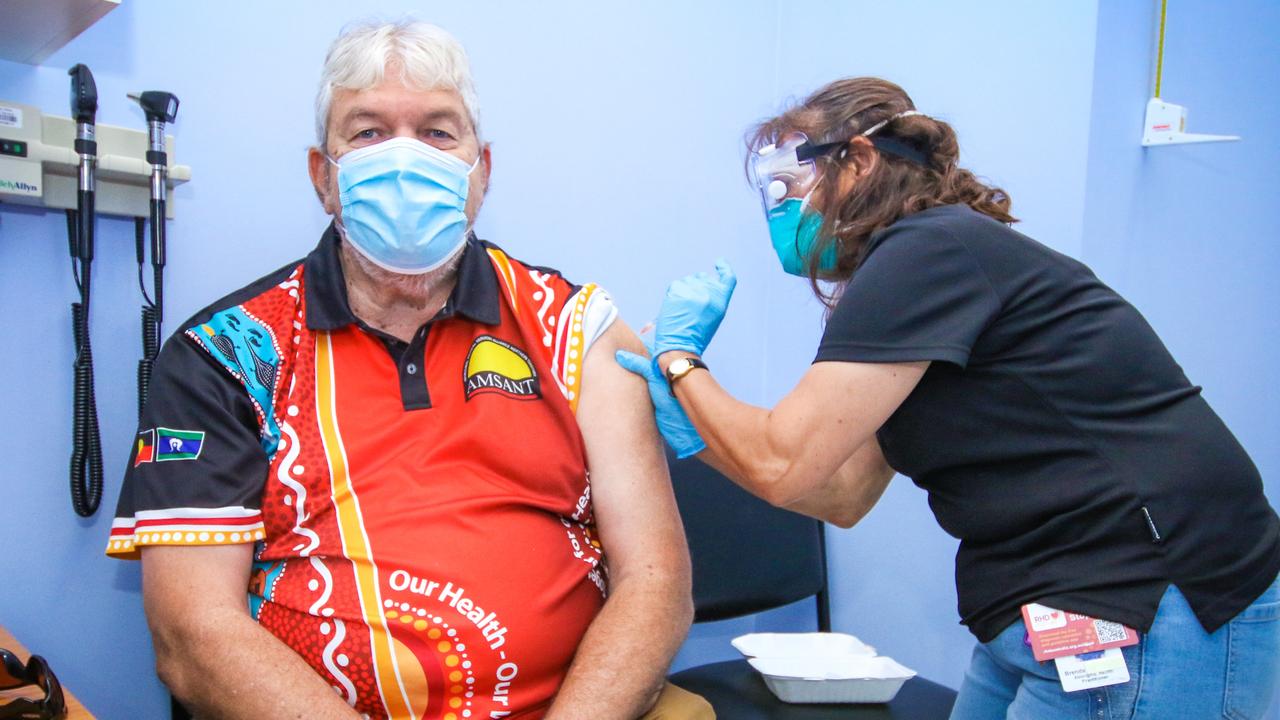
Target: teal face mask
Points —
{"points": [[793, 228]]}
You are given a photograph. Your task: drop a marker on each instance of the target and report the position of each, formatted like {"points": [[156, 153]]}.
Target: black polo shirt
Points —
{"points": [[1054, 433]]}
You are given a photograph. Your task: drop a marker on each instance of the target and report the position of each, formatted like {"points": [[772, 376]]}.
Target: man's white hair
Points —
{"points": [[427, 55]]}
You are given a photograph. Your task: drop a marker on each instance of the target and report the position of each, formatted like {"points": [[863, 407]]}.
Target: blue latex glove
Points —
{"points": [[673, 423], [692, 310]]}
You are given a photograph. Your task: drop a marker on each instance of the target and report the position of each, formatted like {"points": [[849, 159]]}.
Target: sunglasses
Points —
{"points": [[13, 673]]}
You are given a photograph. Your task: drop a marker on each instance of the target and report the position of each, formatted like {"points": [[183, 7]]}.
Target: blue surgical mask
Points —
{"points": [[793, 228], [403, 204]]}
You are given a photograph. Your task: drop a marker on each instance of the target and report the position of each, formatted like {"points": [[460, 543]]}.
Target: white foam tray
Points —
{"points": [[775, 645], [852, 679]]}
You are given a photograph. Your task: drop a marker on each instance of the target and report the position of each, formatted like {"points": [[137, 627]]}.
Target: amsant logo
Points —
{"points": [[18, 186], [494, 366]]}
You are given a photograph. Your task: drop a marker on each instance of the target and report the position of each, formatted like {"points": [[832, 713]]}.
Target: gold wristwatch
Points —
{"points": [[681, 367]]}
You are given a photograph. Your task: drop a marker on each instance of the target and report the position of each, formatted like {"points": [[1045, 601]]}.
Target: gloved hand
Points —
{"points": [[692, 310], [673, 423]]}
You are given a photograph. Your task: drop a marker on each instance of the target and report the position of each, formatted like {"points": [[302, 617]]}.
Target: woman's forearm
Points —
{"points": [[814, 453], [738, 438]]}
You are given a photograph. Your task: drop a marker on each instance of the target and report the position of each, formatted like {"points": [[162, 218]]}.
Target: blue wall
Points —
{"points": [[617, 157], [1189, 233]]}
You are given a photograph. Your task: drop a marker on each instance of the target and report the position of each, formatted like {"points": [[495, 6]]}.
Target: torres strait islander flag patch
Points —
{"points": [[178, 444]]}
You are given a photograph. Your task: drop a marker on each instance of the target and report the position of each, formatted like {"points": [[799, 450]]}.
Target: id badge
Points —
{"points": [[1092, 670], [1053, 633]]}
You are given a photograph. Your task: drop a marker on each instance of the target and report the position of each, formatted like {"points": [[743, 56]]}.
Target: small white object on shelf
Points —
{"points": [[1166, 124]]}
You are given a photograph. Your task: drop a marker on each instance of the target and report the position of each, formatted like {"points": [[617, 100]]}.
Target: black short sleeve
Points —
{"points": [[197, 467], [919, 295]]}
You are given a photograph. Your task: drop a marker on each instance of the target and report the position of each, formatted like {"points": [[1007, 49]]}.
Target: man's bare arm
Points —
{"points": [[213, 656], [622, 661]]}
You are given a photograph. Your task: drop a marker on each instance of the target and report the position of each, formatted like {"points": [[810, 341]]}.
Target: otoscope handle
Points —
{"points": [[157, 233], [159, 107], [85, 203]]}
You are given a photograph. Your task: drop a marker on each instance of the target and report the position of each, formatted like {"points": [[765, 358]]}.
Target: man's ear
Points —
{"points": [[321, 172], [486, 167]]}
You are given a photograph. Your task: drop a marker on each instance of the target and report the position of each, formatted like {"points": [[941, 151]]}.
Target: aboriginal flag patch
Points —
{"points": [[145, 451], [495, 366]]}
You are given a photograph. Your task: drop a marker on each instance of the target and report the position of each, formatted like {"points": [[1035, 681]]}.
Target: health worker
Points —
{"points": [[1082, 472]]}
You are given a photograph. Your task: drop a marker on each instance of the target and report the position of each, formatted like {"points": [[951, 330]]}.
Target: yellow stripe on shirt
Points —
{"points": [[355, 542]]}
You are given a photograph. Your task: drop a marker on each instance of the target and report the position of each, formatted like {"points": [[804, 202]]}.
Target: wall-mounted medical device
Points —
{"points": [[1166, 123], [85, 169], [39, 164]]}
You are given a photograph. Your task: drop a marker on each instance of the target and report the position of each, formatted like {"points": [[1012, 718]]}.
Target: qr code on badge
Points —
{"points": [[1109, 631]]}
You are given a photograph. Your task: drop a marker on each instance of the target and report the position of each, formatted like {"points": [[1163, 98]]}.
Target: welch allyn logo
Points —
{"points": [[19, 186]]}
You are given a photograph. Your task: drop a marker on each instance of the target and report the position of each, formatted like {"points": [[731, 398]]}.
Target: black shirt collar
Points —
{"points": [[475, 296]]}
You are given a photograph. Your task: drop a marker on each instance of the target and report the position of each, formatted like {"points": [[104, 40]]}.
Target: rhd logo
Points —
{"points": [[1045, 618]]}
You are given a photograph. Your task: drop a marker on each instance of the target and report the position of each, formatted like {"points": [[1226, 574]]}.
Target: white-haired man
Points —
{"points": [[389, 442]]}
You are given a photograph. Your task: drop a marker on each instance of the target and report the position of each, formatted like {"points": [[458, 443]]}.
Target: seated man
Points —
{"points": [[445, 498]]}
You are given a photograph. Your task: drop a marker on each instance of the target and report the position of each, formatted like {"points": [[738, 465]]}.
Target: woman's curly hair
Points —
{"points": [[894, 187]]}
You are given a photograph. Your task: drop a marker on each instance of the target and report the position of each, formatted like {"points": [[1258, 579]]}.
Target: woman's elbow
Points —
{"points": [[844, 517], [778, 487]]}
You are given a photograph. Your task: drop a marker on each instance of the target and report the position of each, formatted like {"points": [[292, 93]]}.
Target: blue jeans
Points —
{"points": [[1175, 671]]}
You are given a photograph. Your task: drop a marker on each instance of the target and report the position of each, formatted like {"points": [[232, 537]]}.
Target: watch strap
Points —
{"points": [[687, 365]]}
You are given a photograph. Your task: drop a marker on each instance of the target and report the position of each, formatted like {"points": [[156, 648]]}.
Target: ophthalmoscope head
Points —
{"points": [[84, 94]]}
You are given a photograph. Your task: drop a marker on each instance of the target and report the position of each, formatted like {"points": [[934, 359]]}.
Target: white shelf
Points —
{"points": [[33, 30]]}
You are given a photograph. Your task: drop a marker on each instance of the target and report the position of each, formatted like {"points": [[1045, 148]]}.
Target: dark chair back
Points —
{"points": [[748, 556]]}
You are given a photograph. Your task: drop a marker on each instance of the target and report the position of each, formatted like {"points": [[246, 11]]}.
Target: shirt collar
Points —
{"points": [[475, 296]]}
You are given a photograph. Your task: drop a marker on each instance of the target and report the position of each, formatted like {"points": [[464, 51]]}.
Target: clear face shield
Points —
{"points": [[786, 174], [786, 169]]}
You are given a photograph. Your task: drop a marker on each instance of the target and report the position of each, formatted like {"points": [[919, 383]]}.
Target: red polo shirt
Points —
{"points": [[422, 510]]}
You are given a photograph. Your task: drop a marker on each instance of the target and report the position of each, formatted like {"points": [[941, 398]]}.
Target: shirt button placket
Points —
{"points": [[413, 373]]}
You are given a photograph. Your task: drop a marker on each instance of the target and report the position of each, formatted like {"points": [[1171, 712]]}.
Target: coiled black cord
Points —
{"points": [[150, 316], [86, 440], [149, 350]]}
